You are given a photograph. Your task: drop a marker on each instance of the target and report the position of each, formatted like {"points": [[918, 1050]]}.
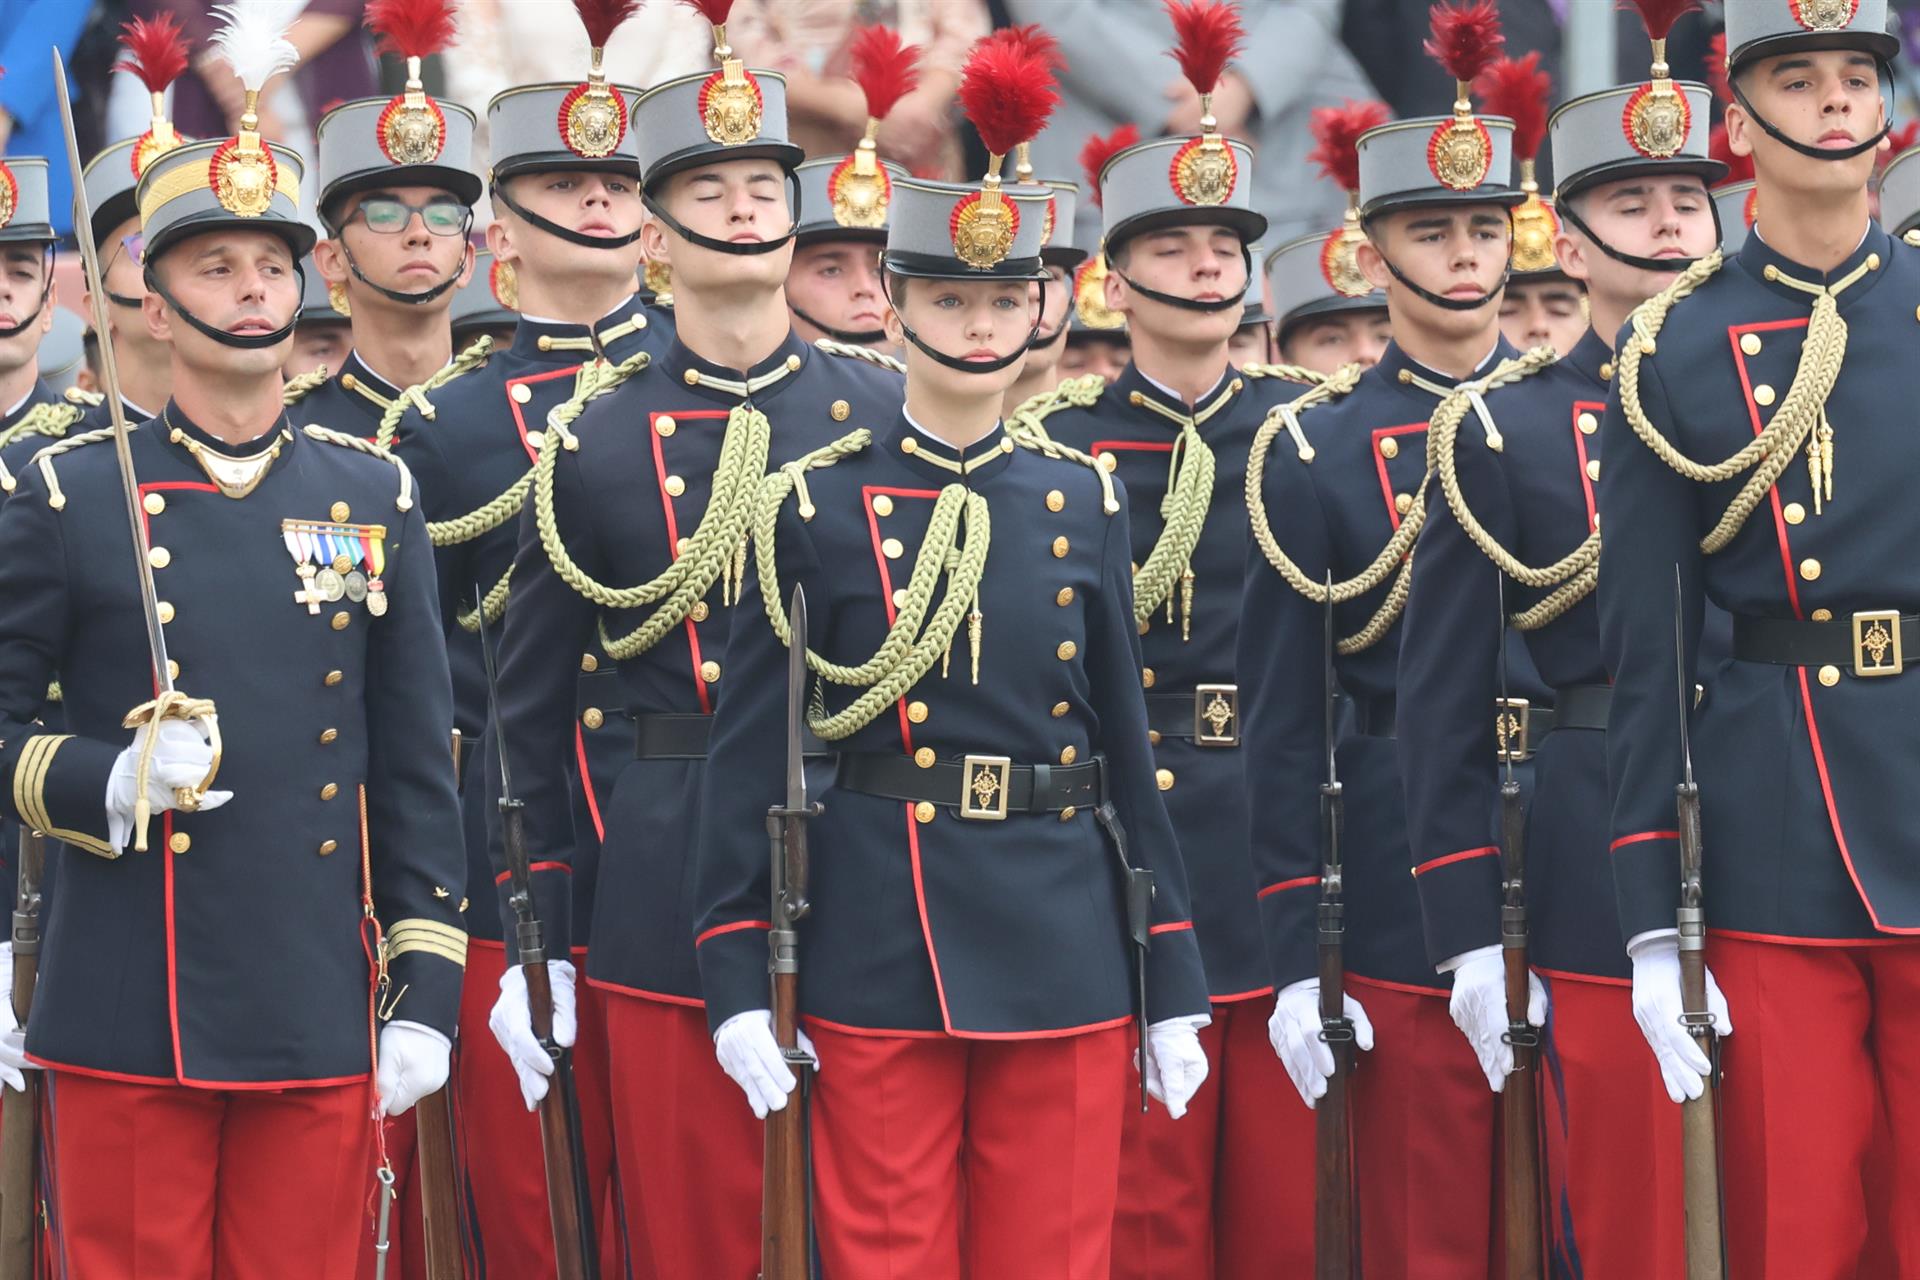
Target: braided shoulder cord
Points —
{"points": [[404, 500], [416, 396], [1285, 372], [301, 386], [1183, 513], [849, 351], [44, 460], [1049, 447], [1025, 423], [50, 420]]}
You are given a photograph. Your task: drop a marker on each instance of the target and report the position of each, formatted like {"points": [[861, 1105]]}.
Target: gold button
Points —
{"points": [[1389, 448], [1593, 468], [173, 669], [675, 486], [793, 364], [1135, 399], [1055, 500], [710, 671], [680, 546], [1153, 737], [1164, 778], [1064, 597], [179, 842], [154, 504], [924, 757], [589, 663], [340, 511], [536, 440], [691, 377], [1823, 615], [1066, 814], [1873, 262], [1763, 395], [333, 678], [699, 611], [1829, 676], [1060, 709], [1403, 502], [159, 557], [909, 445], [165, 610], [328, 846], [923, 812], [1060, 545], [1067, 650], [1794, 513], [1108, 462], [917, 712], [1142, 626], [882, 505], [1750, 343], [899, 597], [521, 393], [1587, 423], [840, 409], [329, 791], [1810, 568], [341, 564], [546, 342], [1606, 372], [892, 548], [1068, 755], [341, 619], [328, 735], [593, 717], [665, 424]]}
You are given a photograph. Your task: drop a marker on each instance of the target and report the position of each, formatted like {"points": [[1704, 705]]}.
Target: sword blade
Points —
{"points": [[797, 701], [110, 377]]}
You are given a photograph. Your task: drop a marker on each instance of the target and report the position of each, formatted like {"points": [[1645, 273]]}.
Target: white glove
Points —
{"points": [[1295, 1029], [180, 759], [1479, 1008], [751, 1057], [13, 1037], [414, 1061], [512, 1025], [1176, 1065], [1657, 1008]]}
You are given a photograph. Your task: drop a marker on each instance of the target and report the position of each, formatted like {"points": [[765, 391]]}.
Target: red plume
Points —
{"points": [[1739, 168], [1517, 87], [1207, 36], [602, 17], [1660, 15], [714, 11], [1099, 149], [1035, 39], [1008, 92], [156, 51], [885, 69], [411, 28], [1466, 37], [1717, 67], [1338, 130]]}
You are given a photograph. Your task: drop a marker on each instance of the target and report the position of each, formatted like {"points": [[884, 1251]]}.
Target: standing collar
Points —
{"points": [[1143, 393], [356, 377], [1766, 265], [1402, 370], [942, 462], [1592, 357], [38, 393], [687, 368], [540, 341], [177, 428]]}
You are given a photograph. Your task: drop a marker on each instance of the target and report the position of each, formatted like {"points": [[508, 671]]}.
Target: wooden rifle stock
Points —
{"points": [[439, 1194], [20, 1108], [1520, 1100], [786, 1250]]}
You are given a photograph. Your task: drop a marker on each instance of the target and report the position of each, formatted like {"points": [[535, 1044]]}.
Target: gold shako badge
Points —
{"points": [[1336, 132], [1518, 89], [412, 129], [504, 284], [1207, 36], [1824, 15], [1008, 91], [1090, 296], [1465, 40], [9, 194], [730, 102], [858, 189], [593, 116]]}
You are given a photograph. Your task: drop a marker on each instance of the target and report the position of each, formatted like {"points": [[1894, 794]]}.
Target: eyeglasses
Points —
{"points": [[135, 245], [387, 216]]}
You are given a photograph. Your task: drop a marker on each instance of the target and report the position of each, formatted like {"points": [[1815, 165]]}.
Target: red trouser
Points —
{"points": [[688, 1147], [1226, 1191], [936, 1158], [162, 1182], [1825, 1043], [1424, 1134], [1612, 1140]]}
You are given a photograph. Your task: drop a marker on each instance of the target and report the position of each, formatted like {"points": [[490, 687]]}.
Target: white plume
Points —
{"points": [[253, 41]]}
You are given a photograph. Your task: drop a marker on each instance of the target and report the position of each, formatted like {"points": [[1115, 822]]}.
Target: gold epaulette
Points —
{"points": [[1284, 372], [403, 501], [85, 399], [300, 387], [44, 460], [849, 351]]}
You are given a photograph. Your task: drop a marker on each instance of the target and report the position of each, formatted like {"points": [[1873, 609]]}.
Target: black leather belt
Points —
{"points": [[1518, 725], [979, 787], [1209, 714], [1872, 642], [1374, 717], [671, 735]]}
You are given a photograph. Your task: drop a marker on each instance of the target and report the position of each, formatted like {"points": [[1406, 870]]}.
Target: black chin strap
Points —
{"points": [[394, 295], [745, 247], [252, 342], [1818, 153], [1189, 304], [122, 300], [46, 288], [970, 366], [1454, 304], [1669, 266], [553, 228], [857, 337]]}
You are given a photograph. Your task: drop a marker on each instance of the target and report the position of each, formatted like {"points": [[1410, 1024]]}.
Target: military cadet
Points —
{"points": [[1632, 170], [1252, 342], [965, 972], [322, 338], [29, 409], [565, 190], [1221, 1193], [487, 305], [1096, 341], [1795, 355], [1040, 371], [1335, 492], [284, 963], [633, 533], [397, 189], [1543, 306], [833, 288]]}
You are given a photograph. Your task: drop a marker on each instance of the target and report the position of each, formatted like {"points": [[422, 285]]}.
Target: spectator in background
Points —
{"points": [[807, 40], [29, 109], [1119, 71], [1387, 37]]}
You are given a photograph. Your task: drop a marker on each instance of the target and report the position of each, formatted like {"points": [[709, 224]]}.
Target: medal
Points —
{"points": [[356, 586], [376, 598], [331, 585]]}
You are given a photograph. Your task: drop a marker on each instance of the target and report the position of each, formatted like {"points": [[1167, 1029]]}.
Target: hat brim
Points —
{"points": [[827, 233], [459, 183], [28, 233], [113, 211], [1249, 224], [1251, 316], [491, 318], [918, 266], [1707, 170], [563, 161], [299, 236], [1880, 44], [1065, 256], [1325, 308], [785, 154], [1546, 275], [1440, 197]]}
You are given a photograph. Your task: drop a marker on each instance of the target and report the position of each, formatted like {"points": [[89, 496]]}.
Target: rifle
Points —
{"points": [[572, 1215], [1333, 1218], [1520, 1100], [1699, 1134], [786, 1217], [20, 1109]]}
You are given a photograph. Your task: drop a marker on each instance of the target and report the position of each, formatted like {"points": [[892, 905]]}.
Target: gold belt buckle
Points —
{"points": [[1876, 643], [983, 787], [1216, 715], [1512, 729]]}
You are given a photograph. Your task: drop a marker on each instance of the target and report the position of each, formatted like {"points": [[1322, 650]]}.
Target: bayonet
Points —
{"points": [[1520, 1098], [1333, 1226]]}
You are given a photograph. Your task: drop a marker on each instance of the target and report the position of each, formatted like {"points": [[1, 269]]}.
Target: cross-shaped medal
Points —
{"points": [[308, 594]]}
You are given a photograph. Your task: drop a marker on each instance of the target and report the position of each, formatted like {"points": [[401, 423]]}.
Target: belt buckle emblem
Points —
{"points": [[1512, 729], [983, 787], [1876, 643], [1216, 715]]}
